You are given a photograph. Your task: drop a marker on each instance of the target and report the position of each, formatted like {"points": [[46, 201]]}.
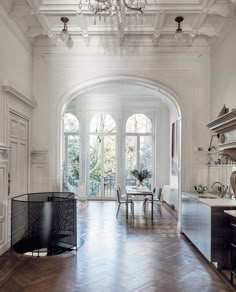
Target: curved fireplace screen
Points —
{"points": [[43, 222]]}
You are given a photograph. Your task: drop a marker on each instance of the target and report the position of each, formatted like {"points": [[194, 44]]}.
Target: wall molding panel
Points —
{"points": [[3, 197], [39, 173]]}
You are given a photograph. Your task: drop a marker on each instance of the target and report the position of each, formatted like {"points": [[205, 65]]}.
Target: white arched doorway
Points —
{"points": [[165, 92]]}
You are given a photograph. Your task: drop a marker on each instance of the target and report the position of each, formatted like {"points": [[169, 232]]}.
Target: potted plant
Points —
{"points": [[141, 175]]}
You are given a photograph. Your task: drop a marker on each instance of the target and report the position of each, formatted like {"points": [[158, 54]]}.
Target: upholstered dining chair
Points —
{"points": [[122, 200], [156, 199]]}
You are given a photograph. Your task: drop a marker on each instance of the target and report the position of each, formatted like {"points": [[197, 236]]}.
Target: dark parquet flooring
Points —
{"points": [[118, 256]]}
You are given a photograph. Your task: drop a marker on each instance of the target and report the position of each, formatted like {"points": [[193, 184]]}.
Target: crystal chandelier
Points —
{"points": [[104, 8]]}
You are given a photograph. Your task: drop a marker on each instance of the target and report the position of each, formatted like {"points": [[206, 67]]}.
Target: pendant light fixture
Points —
{"points": [[179, 33], [64, 35]]}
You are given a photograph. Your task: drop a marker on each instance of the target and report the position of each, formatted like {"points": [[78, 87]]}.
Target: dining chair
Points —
{"points": [[156, 199], [146, 198], [122, 200]]}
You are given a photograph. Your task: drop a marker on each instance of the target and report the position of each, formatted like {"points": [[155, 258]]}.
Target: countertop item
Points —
{"points": [[216, 202], [231, 212]]}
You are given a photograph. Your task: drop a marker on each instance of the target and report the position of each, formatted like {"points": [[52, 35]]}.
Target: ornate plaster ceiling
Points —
{"points": [[205, 19]]}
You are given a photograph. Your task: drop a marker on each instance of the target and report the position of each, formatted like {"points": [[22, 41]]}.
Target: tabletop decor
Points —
{"points": [[141, 175]]}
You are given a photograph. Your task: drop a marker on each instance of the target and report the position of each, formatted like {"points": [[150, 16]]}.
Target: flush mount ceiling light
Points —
{"points": [[179, 33], [64, 35], [104, 8]]}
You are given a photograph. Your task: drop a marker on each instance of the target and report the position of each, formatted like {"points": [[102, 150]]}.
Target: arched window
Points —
{"points": [[138, 146], [71, 151], [102, 168], [102, 123]]}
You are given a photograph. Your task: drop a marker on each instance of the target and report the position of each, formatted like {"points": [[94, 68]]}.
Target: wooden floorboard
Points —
{"points": [[119, 255]]}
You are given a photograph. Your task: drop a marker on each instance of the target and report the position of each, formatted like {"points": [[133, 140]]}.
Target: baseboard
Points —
{"points": [[3, 248]]}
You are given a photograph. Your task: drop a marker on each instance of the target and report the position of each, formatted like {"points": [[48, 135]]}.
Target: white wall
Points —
{"points": [[16, 73], [186, 72], [162, 146], [224, 73], [173, 118], [16, 64]]}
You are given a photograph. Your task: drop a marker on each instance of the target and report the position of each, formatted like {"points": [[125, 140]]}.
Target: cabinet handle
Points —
{"points": [[9, 184]]}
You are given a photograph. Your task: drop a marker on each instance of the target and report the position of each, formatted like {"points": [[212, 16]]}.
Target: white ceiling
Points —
{"points": [[202, 19]]}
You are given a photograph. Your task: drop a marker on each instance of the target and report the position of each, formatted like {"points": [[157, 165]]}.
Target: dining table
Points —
{"points": [[133, 191]]}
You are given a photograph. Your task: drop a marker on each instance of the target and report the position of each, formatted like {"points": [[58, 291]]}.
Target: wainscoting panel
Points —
{"points": [[220, 173], [19, 143], [1, 206], [3, 198], [39, 177]]}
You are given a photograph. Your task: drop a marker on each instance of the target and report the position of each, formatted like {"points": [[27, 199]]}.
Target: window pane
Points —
{"points": [[109, 165], [138, 123], [145, 152], [102, 123], [131, 158], [71, 124], [145, 157], [95, 165], [72, 159]]}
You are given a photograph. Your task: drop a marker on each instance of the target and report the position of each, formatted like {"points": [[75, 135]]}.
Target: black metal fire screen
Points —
{"points": [[43, 222]]}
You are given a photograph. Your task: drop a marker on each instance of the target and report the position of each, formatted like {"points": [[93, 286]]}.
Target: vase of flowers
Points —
{"points": [[141, 176]]}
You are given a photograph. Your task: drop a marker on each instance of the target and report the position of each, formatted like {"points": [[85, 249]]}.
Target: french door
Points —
{"points": [[102, 166], [138, 156], [18, 160]]}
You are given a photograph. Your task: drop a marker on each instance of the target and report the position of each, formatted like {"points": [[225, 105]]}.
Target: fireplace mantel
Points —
{"points": [[224, 123]]}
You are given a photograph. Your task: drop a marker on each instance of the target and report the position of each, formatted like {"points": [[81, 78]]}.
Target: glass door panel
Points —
{"points": [[145, 156], [131, 158], [109, 165], [95, 171], [145, 152], [71, 161], [102, 166]]}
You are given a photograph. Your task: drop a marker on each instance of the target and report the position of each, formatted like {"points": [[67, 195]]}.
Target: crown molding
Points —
{"points": [[30, 102], [4, 148]]}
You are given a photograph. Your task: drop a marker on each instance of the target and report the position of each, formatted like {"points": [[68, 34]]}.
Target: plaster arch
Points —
{"points": [[69, 95], [94, 83]]}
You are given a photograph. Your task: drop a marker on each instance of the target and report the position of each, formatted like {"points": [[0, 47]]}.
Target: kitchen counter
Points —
{"points": [[218, 202], [207, 226], [231, 212]]}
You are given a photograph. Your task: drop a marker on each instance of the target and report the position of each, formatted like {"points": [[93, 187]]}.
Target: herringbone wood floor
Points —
{"points": [[119, 256]]}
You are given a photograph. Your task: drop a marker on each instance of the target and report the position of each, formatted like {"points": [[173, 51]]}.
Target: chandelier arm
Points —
{"points": [[101, 10], [132, 8]]}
